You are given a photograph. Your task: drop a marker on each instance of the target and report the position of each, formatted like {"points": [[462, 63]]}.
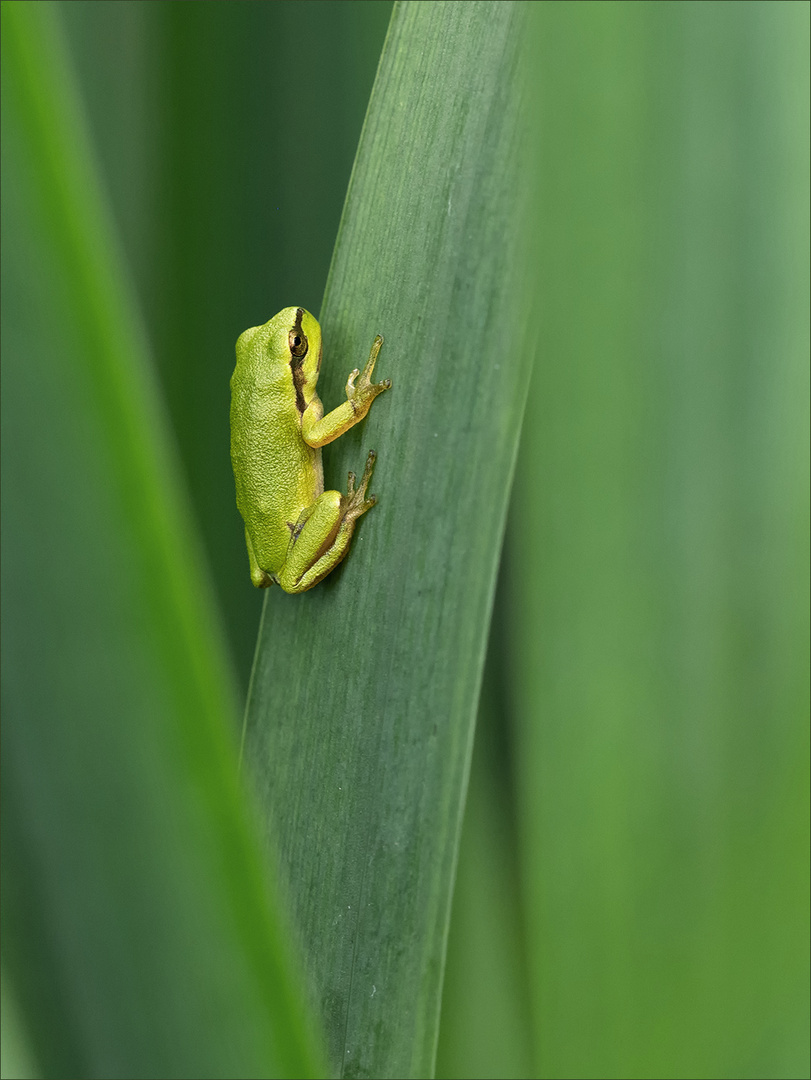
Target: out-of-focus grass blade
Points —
{"points": [[16, 1058], [485, 1025], [138, 928], [662, 585], [364, 690]]}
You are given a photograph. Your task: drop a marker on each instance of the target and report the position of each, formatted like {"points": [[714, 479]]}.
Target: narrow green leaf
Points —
{"points": [[364, 691], [139, 929]]}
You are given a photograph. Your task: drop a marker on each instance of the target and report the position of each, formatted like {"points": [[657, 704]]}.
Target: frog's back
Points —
{"points": [[277, 474]]}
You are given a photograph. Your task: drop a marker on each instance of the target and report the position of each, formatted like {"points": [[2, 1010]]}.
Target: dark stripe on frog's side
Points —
{"points": [[296, 362]]}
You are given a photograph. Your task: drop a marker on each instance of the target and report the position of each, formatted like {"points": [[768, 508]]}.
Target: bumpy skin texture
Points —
{"points": [[295, 531]]}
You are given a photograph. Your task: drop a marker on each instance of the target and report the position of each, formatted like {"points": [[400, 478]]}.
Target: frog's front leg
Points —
{"points": [[318, 430], [322, 535]]}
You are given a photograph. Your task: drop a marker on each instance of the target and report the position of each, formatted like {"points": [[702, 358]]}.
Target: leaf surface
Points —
{"points": [[364, 692]]}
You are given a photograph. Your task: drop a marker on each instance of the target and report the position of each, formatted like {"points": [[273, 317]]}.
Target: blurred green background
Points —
{"points": [[632, 891]]}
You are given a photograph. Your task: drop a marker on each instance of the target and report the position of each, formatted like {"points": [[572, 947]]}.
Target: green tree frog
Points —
{"points": [[295, 531]]}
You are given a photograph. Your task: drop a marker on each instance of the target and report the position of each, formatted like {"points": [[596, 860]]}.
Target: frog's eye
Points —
{"points": [[298, 343]]}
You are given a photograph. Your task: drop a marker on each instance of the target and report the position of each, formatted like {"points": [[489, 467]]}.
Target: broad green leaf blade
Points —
{"points": [[139, 930], [364, 691], [661, 588]]}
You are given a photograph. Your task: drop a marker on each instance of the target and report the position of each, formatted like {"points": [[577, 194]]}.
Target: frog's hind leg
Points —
{"points": [[320, 542], [259, 577]]}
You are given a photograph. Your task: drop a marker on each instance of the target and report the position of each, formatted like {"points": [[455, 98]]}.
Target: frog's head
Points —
{"points": [[290, 339]]}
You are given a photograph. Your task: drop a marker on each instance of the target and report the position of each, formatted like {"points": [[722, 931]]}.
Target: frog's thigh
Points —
{"points": [[319, 546]]}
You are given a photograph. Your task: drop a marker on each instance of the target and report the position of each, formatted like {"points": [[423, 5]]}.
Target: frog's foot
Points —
{"points": [[355, 499], [324, 538], [362, 395]]}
